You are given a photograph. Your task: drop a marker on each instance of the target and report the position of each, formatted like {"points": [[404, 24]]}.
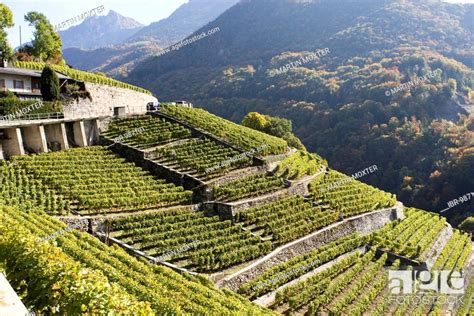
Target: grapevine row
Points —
{"points": [[166, 291], [201, 158], [80, 75], [412, 236], [241, 136], [246, 187], [349, 196], [287, 219], [299, 164], [100, 181], [282, 273], [19, 188], [206, 243], [145, 131]]}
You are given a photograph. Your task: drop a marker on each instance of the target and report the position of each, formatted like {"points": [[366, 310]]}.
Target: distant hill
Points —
{"points": [[100, 31], [341, 104], [115, 61], [188, 18], [116, 56]]}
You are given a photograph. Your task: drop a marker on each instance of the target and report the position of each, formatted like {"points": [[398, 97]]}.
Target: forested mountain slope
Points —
{"points": [[394, 88]]}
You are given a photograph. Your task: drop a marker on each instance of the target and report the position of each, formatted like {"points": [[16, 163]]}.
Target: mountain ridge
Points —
{"points": [[108, 29]]}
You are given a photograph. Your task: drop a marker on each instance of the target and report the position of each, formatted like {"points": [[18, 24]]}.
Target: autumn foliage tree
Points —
{"points": [[46, 44]]}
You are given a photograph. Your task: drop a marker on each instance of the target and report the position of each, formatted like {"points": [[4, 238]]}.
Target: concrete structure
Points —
{"points": [[40, 136], [10, 303], [13, 142], [34, 137], [80, 134], [108, 101]]}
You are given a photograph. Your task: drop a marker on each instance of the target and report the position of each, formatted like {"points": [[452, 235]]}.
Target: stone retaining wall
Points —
{"points": [[236, 175], [269, 298], [230, 209], [363, 224], [431, 254], [139, 158], [81, 223]]}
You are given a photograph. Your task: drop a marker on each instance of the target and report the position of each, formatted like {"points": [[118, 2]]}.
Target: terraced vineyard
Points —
{"points": [[255, 251], [286, 219], [151, 131], [202, 158], [189, 239], [348, 196], [412, 236], [101, 182], [282, 273], [298, 164], [342, 296], [247, 187], [455, 253], [19, 188], [110, 280], [241, 136]]}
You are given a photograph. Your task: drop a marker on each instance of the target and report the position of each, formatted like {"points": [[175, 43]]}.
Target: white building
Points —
{"points": [[24, 83]]}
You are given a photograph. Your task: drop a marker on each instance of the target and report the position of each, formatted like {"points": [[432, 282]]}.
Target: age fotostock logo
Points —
{"points": [[410, 282]]}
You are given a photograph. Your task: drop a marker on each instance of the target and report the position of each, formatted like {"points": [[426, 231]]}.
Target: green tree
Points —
{"points": [[49, 84], [255, 120], [278, 126], [6, 21], [47, 45]]}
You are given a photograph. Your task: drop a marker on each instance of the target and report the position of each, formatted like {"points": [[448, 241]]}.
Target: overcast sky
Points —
{"points": [[57, 11]]}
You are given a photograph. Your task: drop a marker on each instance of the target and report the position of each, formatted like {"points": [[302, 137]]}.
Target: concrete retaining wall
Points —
{"points": [[104, 99]]}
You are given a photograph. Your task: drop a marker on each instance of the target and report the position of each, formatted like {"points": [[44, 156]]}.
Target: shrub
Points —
{"points": [[49, 84]]}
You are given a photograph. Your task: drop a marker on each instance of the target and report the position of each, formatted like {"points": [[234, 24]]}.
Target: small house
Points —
{"points": [[24, 83]]}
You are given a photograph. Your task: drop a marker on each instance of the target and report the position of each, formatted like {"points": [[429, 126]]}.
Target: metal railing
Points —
{"points": [[37, 116]]}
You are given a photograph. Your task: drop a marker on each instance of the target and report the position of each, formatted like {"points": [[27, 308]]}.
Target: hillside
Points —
{"points": [[115, 61], [395, 87], [210, 217]]}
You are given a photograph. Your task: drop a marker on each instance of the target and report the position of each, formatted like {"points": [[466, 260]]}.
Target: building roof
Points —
{"points": [[27, 72]]}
